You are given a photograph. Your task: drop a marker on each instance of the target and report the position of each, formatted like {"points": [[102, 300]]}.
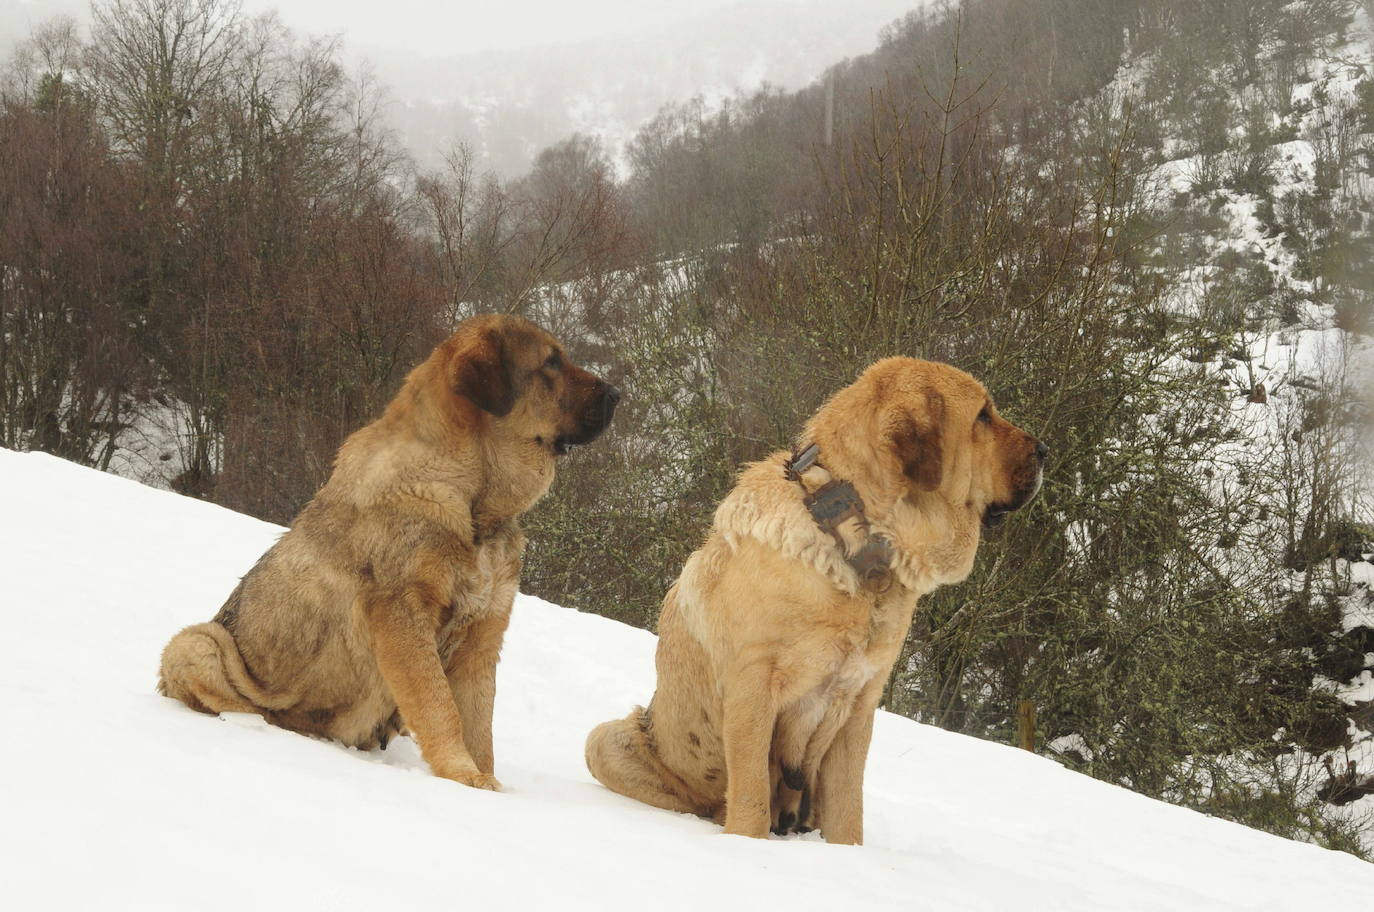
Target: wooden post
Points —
{"points": [[1025, 725], [830, 107]]}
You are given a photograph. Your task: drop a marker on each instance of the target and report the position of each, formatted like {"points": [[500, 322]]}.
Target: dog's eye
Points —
{"points": [[985, 416]]}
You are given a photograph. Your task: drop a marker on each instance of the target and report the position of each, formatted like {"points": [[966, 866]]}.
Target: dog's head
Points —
{"points": [[921, 428], [521, 377]]}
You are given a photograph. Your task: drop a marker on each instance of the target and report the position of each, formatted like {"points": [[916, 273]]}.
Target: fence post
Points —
{"points": [[1025, 725]]}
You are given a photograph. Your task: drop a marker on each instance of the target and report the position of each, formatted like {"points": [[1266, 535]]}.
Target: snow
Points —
{"points": [[117, 797], [1359, 608], [154, 444]]}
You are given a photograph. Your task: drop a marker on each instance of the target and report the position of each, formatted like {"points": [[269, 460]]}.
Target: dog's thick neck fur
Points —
{"points": [[922, 557], [934, 534], [461, 461], [905, 512]]}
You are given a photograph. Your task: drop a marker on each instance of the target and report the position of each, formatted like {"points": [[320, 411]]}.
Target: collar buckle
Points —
{"points": [[831, 505]]}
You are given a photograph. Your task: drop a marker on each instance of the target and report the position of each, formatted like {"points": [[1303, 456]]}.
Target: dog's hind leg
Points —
{"points": [[620, 757], [799, 791], [788, 772], [202, 667]]}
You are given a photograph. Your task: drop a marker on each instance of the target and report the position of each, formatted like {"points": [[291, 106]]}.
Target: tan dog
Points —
{"points": [[778, 637], [384, 606]]}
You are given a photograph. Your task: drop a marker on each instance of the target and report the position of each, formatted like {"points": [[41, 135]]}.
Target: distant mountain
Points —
{"points": [[508, 104]]}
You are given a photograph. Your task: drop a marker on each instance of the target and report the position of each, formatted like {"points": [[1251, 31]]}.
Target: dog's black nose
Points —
{"points": [[1041, 451], [611, 397]]}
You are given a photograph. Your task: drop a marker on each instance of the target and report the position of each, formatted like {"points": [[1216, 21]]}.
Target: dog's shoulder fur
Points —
{"points": [[768, 507]]}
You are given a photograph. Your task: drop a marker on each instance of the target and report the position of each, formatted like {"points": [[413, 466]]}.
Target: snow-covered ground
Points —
{"points": [[114, 797]]}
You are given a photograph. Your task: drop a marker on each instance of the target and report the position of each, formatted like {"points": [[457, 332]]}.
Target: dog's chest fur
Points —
{"points": [[482, 587], [837, 688], [859, 652]]}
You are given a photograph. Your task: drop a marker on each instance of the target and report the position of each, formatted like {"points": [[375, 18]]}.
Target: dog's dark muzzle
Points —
{"points": [[595, 419], [994, 514]]}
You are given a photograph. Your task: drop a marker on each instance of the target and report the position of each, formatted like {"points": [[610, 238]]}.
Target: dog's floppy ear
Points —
{"points": [[483, 372], [916, 442]]}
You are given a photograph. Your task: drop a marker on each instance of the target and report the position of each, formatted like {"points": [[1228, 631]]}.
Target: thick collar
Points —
{"points": [[838, 509]]}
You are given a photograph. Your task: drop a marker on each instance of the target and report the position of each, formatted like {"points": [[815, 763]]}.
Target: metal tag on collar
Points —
{"points": [[873, 563], [803, 461]]}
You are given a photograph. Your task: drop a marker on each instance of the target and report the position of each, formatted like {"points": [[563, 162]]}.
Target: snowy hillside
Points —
{"points": [[116, 797], [1293, 351]]}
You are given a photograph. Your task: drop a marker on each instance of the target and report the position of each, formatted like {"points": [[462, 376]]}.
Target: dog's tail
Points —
{"points": [[202, 667], [621, 757]]}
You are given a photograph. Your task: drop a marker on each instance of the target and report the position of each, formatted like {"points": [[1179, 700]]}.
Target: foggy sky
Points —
{"points": [[440, 29], [508, 77]]}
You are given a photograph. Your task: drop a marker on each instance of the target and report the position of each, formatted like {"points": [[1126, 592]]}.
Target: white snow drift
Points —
{"points": [[114, 797]]}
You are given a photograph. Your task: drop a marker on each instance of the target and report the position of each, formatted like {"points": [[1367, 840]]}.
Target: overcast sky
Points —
{"points": [[439, 28], [434, 28]]}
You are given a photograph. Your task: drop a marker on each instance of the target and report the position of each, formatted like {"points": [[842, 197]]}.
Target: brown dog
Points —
{"points": [[780, 633], [385, 604]]}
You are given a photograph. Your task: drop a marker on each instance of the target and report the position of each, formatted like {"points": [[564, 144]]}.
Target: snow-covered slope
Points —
{"points": [[114, 797], [1291, 353]]}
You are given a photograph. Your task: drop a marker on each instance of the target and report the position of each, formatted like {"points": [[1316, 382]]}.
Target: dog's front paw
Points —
{"points": [[478, 780], [752, 830]]}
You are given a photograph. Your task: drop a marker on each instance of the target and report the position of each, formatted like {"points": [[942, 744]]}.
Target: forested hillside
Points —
{"points": [[1145, 224]]}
